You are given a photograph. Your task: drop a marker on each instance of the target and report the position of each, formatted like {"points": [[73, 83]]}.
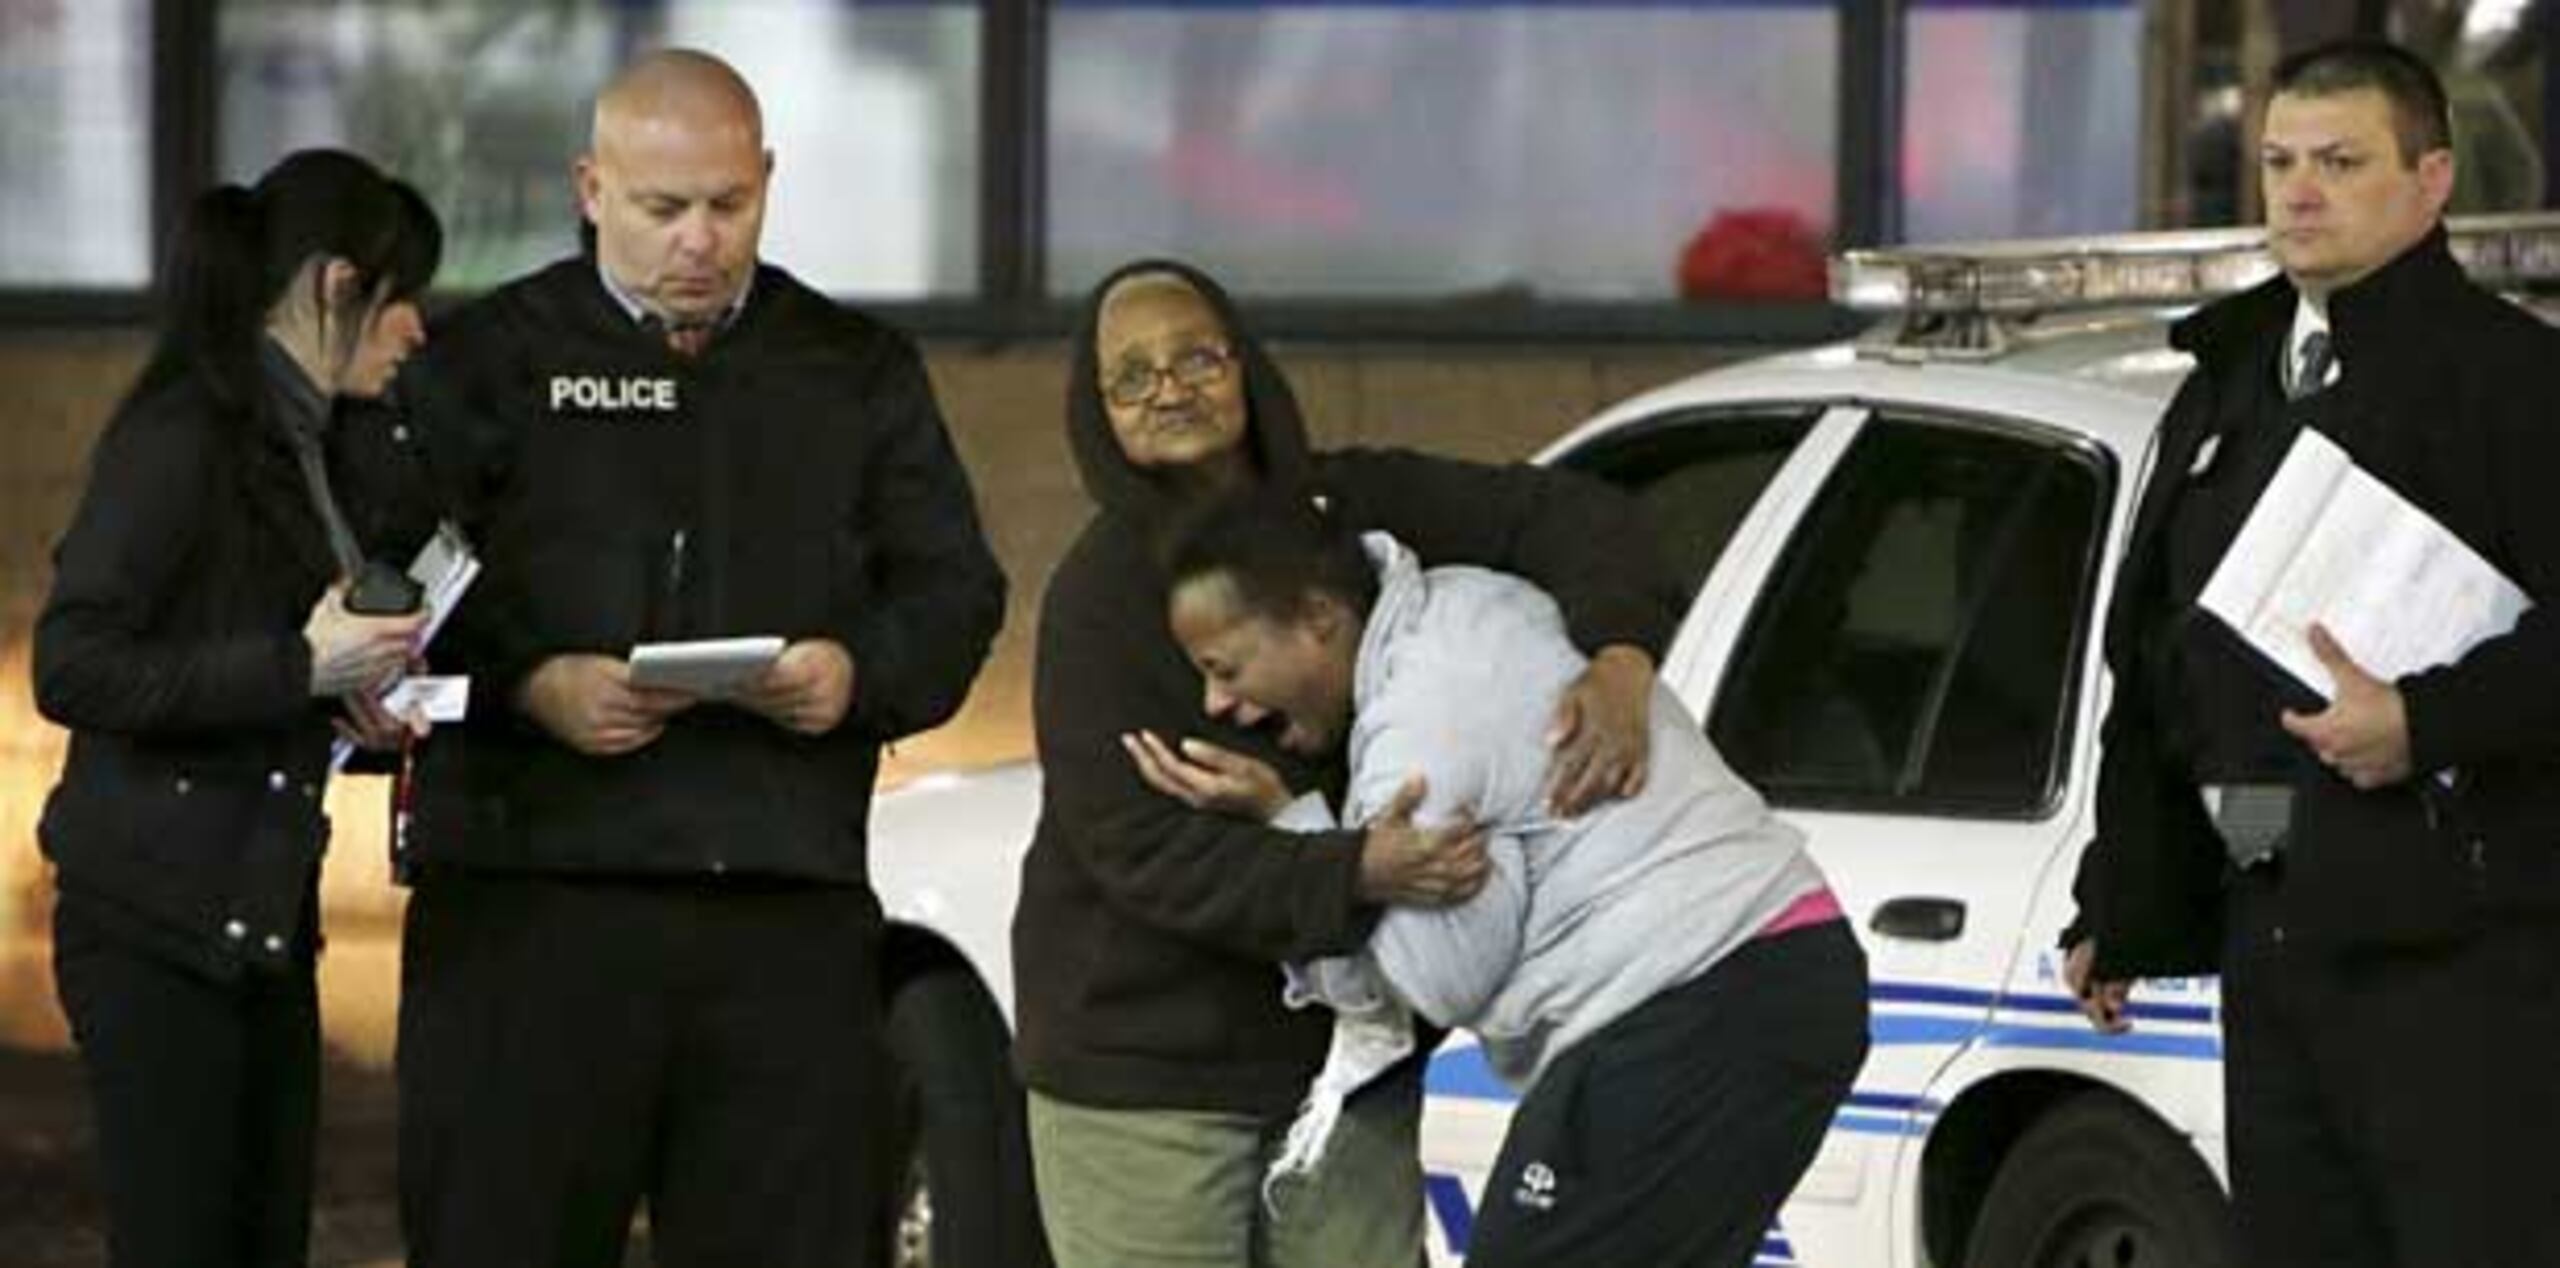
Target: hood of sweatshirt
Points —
{"points": [[1275, 438]]}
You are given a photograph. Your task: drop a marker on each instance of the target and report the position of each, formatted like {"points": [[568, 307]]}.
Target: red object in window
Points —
{"points": [[1754, 253]]}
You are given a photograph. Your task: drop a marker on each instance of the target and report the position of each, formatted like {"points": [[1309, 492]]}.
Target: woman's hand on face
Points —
{"points": [[353, 654], [1204, 776]]}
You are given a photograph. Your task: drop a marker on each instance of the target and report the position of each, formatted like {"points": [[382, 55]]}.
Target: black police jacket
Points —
{"points": [[794, 479], [171, 646], [2449, 395]]}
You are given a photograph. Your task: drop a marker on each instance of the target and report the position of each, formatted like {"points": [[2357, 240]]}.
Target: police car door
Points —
{"points": [[1900, 680], [1718, 484]]}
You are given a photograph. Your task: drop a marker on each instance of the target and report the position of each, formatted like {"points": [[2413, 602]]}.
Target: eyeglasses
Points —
{"points": [[1198, 367]]}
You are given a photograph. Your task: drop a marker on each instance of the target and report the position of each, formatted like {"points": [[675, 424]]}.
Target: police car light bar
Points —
{"points": [[2519, 251]]}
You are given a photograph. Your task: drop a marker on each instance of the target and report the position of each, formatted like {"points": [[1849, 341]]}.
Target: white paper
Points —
{"points": [[444, 570], [712, 667], [439, 698], [2328, 543]]}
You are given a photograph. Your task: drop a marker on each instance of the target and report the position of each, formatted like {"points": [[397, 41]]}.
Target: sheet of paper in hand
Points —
{"points": [[444, 569], [437, 698], [2329, 543], [711, 667]]}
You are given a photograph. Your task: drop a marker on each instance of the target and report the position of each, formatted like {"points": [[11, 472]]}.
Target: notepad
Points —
{"points": [[712, 667], [2329, 543]]}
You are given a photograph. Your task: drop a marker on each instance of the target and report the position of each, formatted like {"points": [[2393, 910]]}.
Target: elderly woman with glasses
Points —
{"points": [[1163, 1065]]}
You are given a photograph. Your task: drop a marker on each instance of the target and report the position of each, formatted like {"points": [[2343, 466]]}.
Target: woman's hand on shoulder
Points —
{"points": [[1600, 736]]}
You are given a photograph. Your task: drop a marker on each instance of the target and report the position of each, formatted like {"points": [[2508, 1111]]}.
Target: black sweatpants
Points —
{"points": [[2391, 1109], [573, 1049], [205, 1094], [1670, 1137]]}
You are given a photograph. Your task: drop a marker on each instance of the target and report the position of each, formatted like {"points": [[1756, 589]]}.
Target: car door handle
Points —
{"points": [[1920, 919]]}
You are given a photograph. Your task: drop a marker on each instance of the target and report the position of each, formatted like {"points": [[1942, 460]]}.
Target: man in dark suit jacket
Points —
{"points": [[2377, 875]]}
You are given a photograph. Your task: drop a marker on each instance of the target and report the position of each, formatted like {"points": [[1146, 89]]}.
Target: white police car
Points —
{"points": [[1899, 551]]}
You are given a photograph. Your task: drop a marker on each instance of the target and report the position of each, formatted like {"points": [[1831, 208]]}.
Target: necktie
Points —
{"points": [[688, 341], [2311, 362]]}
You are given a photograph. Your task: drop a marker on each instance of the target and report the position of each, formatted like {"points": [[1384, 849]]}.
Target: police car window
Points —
{"points": [[1696, 476], [1914, 648]]}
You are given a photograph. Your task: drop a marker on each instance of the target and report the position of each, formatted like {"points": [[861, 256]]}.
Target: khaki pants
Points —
{"points": [[1183, 1189]]}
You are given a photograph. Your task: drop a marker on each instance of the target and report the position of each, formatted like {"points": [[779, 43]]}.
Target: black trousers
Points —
{"points": [[205, 1095], [573, 1049], [2391, 1109], [1670, 1137]]}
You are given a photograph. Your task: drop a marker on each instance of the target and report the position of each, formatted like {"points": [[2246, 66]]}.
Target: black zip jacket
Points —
{"points": [[2449, 395], [794, 479], [171, 646], [1148, 936]]}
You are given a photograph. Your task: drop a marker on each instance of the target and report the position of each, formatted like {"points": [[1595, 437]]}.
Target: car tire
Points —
{"points": [[961, 1154], [2097, 1182]]}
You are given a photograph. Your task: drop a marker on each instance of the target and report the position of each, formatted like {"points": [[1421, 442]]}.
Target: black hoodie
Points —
{"points": [[1148, 935]]}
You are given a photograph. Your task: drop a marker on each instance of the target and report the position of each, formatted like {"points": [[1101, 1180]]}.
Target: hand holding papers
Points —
{"points": [[713, 668], [2328, 543], [2363, 734], [444, 571]]}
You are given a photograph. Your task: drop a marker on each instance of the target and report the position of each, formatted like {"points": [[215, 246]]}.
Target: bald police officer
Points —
{"points": [[641, 960]]}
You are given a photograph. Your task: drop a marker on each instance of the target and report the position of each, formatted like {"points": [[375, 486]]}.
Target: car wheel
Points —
{"points": [[961, 1155], [2098, 1183]]}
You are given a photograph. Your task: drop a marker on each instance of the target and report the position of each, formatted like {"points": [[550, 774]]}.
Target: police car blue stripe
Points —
{"points": [[1902, 1030], [1901, 1115], [1462, 1073], [1967, 997], [1892, 1101], [1876, 1125], [1448, 1200], [2198, 1013], [2082, 1039]]}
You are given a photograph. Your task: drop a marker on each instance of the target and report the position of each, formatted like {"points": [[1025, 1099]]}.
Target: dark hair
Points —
{"points": [[2420, 119], [1276, 548], [243, 245]]}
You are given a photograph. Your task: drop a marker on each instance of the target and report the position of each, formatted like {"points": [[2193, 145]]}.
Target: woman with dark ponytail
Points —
{"points": [[198, 643]]}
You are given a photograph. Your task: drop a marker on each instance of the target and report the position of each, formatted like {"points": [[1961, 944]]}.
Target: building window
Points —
{"points": [[2021, 120], [75, 144], [1527, 150], [871, 111]]}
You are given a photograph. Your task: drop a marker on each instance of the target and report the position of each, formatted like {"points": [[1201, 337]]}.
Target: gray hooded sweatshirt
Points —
{"points": [[1583, 919]]}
